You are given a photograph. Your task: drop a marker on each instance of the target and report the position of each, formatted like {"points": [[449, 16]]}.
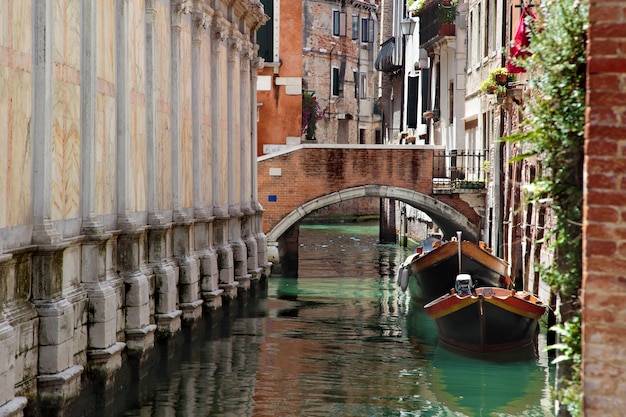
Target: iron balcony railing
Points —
{"points": [[437, 18], [460, 169]]}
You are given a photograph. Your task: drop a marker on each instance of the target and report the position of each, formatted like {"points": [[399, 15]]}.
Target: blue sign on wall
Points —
{"points": [[271, 198]]}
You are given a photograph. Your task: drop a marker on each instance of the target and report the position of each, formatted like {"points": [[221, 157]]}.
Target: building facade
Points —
{"points": [[279, 82], [128, 181], [339, 47]]}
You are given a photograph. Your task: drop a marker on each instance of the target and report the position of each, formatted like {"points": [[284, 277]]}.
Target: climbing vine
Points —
{"points": [[554, 134], [311, 114]]}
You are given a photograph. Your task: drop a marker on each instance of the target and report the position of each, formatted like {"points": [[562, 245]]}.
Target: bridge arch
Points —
{"points": [[446, 217]]}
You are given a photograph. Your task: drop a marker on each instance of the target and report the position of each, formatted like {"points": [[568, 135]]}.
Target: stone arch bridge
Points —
{"points": [[295, 182]]}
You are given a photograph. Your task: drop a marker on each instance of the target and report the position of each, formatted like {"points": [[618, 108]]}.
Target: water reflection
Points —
{"points": [[341, 340]]}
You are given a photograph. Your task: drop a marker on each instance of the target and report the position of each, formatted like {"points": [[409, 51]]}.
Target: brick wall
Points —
{"points": [[604, 230], [311, 173]]}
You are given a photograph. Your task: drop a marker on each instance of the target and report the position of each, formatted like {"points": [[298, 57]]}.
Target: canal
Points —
{"points": [[340, 340]]}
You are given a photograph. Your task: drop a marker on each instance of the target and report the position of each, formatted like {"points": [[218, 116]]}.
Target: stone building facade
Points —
{"points": [[127, 180], [340, 43]]}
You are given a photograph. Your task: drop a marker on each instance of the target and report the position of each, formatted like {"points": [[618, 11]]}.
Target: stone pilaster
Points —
{"points": [[58, 373], [104, 351], [248, 153], [257, 218], [189, 271], [167, 315], [203, 227], [219, 67], [178, 10], [139, 331], [189, 274], [152, 141], [234, 160], [208, 261]]}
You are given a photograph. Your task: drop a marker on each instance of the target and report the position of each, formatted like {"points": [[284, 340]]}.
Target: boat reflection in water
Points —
{"points": [[507, 384]]}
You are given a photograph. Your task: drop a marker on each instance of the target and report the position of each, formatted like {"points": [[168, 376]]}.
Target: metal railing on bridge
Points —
{"points": [[460, 169]]}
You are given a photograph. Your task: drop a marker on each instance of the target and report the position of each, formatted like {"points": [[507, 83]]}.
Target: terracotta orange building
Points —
{"points": [[279, 83]]}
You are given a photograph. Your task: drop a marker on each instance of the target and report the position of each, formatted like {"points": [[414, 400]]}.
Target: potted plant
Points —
{"points": [[497, 82], [500, 75], [447, 12]]}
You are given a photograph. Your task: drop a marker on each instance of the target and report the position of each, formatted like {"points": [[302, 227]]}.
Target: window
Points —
{"points": [[470, 40], [355, 27], [335, 82], [363, 85], [367, 30], [265, 34], [488, 29], [339, 23]]}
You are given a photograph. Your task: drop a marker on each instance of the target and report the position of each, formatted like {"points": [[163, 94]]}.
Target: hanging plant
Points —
{"points": [[311, 114], [415, 6], [497, 82]]}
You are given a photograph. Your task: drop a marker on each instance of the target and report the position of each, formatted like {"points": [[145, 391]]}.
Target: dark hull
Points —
{"points": [[434, 273], [474, 324]]}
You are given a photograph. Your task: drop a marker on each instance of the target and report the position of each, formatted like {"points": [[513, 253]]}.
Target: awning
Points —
{"points": [[384, 60]]}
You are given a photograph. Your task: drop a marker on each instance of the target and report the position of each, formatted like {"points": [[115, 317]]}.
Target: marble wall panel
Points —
{"points": [[138, 106], [138, 155], [65, 156], [106, 148], [235, 181], [5, 141], [15, 112], [222, 140], [106, 41], [186, 133], [20, 157], [66, 47], [162, 83], [137, 50], [5, 22], [106, 145], [21, 29], [205, 130]]}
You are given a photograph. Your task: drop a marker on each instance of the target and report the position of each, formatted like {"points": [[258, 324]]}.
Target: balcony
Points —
{"points": [[437, 19], [460, 171]]}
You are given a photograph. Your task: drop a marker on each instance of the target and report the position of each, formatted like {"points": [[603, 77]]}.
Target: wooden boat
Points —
{"points": [[486, 319], [430, 271]]}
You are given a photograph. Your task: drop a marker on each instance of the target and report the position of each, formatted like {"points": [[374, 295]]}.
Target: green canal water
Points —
{"points": [[340, 340]]}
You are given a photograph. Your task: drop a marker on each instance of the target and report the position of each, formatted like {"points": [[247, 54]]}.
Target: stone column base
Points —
{"points": [[212, 299], [256, 273], [56, 390], [168, 324], [105, 362], [140, 340], [14, 407], [244, 281], [192, 310], [230, 290]]}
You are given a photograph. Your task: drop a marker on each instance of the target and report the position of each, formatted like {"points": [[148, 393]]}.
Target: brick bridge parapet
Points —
{"points": [[297, 181]]}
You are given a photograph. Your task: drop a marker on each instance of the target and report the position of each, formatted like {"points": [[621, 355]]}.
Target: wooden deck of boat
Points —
{"points": [[468, 249]]}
